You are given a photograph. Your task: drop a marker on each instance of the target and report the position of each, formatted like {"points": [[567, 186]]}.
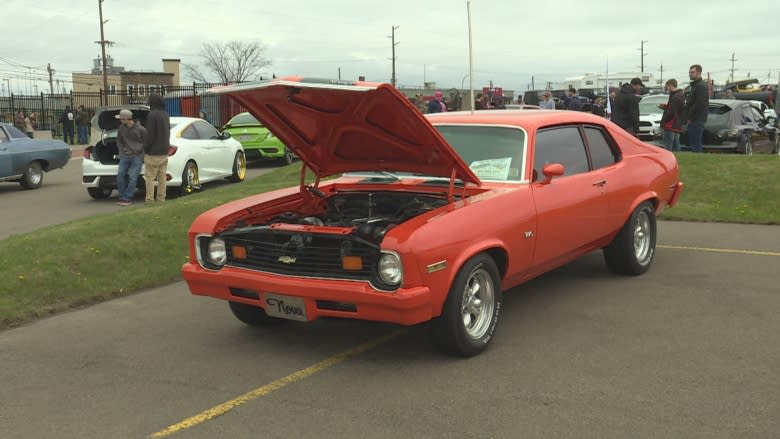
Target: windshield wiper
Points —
{"points": [[443, 182]]}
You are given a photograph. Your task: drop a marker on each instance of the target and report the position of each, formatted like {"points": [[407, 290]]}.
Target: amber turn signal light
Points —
{"points": [[351, 262], [239, 252]]}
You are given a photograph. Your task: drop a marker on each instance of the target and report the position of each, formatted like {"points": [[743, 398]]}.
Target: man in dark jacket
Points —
{"points": [[67, 119], [572, 101], [158, 134], [696, 108], [625, 113], [674, 116]]}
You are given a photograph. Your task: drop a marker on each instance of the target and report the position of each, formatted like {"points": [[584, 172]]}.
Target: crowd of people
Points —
{"points": [[622, 107]]}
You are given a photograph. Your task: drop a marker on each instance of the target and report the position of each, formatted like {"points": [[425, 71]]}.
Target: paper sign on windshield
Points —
{"points": [[492, 169]]}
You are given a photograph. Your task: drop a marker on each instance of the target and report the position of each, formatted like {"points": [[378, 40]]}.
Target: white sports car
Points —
{"points": [[650, 116], [198, 154]]}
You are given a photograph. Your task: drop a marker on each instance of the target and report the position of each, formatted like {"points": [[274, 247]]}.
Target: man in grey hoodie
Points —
{"points": [[158, 130], [130, 143]]}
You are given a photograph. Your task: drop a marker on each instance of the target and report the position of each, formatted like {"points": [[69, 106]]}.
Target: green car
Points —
{"points": [[258, 142]]}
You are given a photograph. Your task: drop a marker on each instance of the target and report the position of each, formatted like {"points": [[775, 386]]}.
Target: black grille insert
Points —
{"points": [[303, 254]]}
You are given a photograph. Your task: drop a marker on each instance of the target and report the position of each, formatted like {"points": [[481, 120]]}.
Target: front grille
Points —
{"points": [[302, 254], [270, 150], [645, 124]]}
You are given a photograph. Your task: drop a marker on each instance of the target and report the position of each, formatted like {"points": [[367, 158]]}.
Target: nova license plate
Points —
{"points": [[244, 138], [285, 307]]}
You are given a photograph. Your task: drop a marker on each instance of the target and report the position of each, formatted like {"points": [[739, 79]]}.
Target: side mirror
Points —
{"points": [[552, 170], [225, 135]]}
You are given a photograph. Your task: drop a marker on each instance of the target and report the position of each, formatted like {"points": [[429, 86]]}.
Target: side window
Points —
{"points": [[205, 131], [190, 133], [560, 145], [601, 155], [3, 136]]}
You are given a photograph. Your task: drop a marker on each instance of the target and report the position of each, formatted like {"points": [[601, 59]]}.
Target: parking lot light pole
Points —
{"points": [[471, 58]]}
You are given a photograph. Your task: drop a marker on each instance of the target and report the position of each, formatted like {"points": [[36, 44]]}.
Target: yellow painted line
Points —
{"points": [[721, 250], [227, 406]]}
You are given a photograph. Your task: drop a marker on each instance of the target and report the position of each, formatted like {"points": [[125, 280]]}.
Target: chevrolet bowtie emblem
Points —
{"points": [[286, 259]]}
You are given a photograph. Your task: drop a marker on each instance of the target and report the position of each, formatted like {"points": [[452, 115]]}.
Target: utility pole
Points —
{"points": [[103, 44], [642, 56], [392, 37], [532, 83], [51, 81], [662, 74], [732, 65], [339, 73]]}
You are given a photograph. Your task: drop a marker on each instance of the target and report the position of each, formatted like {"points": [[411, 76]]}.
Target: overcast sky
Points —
{"points": [[513, 40]]}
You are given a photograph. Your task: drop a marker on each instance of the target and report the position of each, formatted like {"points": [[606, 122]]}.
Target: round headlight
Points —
{"points": [[390, 269], [217, 254]]}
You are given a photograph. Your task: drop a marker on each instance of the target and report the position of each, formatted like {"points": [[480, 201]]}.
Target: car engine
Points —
{"points": [[370, 214]]}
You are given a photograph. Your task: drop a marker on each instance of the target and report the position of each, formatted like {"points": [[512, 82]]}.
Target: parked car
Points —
{"points": [[737, 126], [198, 154], [432, 217], [25, 160], [258, 142], [650, 116]]}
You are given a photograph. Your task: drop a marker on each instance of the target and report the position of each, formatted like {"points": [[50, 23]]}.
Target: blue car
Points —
{"points": [[24, 160]]}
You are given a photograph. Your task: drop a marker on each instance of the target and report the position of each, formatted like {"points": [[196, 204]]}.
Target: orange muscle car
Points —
{"points": [[432, 216]]}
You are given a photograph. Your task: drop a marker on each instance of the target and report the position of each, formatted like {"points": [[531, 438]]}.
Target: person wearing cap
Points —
{"points": [[436, 105], [625, 113], [696, 108], [130, 143], [547, 103]]}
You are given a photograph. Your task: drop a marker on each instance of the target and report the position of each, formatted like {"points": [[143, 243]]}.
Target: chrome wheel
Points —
{"points": [[33, 176], [477, 303], [642, 236], [36, 175]]}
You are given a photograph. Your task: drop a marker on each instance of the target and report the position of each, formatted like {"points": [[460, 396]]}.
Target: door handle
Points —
{"points": [[600, 183]]}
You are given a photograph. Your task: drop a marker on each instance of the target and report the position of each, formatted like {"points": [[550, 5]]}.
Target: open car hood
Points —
{"points": [[105, 117], [344, 126]]}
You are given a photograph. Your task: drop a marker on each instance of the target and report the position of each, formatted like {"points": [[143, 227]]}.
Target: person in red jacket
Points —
{"points": [[674, 116]]}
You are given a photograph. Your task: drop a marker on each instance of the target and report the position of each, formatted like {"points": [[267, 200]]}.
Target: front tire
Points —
{"points": [[288, 158], [239, 168], [99, 193], [470, 315], [33, 176], [633, 249], [253, 315]]}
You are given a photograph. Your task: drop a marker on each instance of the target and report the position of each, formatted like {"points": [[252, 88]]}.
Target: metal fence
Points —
{"points": [[185, 100]]}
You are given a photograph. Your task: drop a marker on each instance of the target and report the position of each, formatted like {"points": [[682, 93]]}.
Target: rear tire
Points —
{"points": [[190, 180], [470, 315], [633, 249], [254, 315], [99, 193], [33, 176]]}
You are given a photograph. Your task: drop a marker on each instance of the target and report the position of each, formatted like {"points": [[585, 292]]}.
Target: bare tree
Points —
{"points": [[233, 61]]}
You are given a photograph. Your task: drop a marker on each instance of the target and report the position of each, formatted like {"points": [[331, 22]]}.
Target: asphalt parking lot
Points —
{"points": [[688, 350]]}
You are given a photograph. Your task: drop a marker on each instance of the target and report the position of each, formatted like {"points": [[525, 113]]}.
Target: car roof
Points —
{"points": [[520, 118]]}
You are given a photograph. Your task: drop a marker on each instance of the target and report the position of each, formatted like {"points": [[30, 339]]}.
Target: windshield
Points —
{"points": [[493, 153], [244, 119]]}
